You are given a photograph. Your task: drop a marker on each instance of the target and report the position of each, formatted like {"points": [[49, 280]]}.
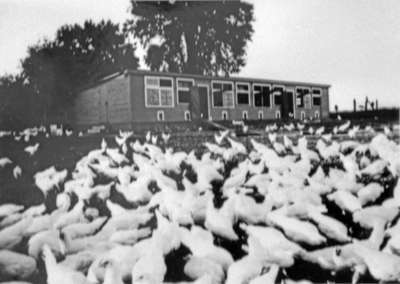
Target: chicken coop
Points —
{"points": [[138, 96]]}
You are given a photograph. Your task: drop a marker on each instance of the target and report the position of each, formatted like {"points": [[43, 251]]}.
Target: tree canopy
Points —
{"points": [[198, 37], [15, 100], [77, 56]]}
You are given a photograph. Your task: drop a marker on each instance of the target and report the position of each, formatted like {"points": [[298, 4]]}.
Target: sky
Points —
{"points": [[353, 45]]}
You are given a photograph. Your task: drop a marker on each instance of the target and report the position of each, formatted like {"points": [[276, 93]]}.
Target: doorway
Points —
{"points": [[287, 105], [203, 99]]}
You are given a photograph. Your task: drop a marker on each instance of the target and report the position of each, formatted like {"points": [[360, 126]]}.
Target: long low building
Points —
{"points": [[137, 96]]}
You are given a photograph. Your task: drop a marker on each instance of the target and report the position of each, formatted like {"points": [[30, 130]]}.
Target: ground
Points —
{"points": [[64, 152]]}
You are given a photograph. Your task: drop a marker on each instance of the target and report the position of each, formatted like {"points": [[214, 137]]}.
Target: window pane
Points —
{"points": [[242, 87], [227, 87], [317, 101], [227, 99], [185, 84], [183, 96], [257, 96], [278, 99], [152, 97], [217, 86], [299, 101], [307, 101], [184, 91], [266, 96], [152, 81], [217, 97], [316, 92], [300, 93], [166, 97], [243, 98], [165, 82], [243, 93]]}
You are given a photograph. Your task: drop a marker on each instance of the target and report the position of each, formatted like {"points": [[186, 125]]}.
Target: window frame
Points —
{"points": [[187, 112], [180, 89], [316, 95], [226, 114], [273, 95], [159, 92], [245, 112], [208, 98], [162, 114], [248, 92], [254, 97], [303, 88], [212, 93]]}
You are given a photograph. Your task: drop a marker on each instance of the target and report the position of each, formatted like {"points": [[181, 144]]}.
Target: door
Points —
{"points": [[287, 105], [290, 97], [203, 98]]}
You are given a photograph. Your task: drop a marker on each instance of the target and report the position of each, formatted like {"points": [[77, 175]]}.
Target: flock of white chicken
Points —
{"points": [[272, 203]]}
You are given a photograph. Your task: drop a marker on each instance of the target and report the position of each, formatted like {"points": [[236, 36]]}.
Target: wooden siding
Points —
{"points": [[106, 103], [125, 95]]}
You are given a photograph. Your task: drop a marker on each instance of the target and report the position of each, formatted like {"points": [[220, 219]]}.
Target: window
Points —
{"points": [[303, 115], [183, 87], [307, 101], [160, 115], [245, 115], [159, 92], [261, 95], [224, 115], [260, 115], [278, 93], [243, 93], [277, 114], [316, 97], [187, 115], [300, 94], [222, 94], [316, 114]]}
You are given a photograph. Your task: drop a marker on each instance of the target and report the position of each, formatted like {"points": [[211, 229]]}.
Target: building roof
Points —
{"points": [[232, 78]]}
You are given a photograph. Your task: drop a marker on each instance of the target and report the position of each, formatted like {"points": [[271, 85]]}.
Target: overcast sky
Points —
{"points": [[354, 45]]}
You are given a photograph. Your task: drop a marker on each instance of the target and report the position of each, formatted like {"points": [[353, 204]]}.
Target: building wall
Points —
{"points": [[141, 113], [125, 97], [310, 112], [105, 103]]}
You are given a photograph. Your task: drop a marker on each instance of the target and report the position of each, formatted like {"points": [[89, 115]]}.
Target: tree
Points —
{"points": [[78, 56], [15, 106], [207, 38]]}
